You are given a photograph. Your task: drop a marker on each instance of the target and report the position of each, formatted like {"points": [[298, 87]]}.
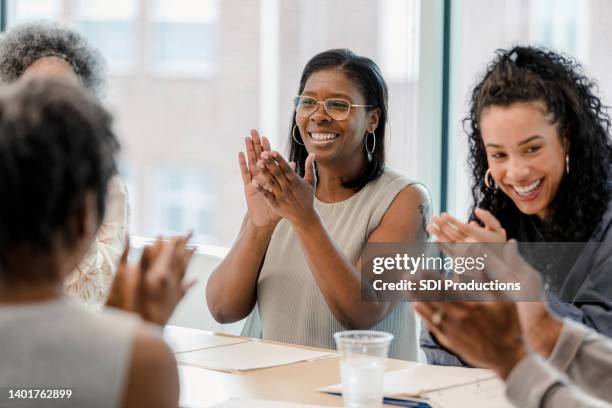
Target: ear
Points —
{"points": [[85, 222], [373, 118], [566, 144]]}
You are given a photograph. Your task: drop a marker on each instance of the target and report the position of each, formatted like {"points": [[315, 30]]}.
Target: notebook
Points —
{"points": [[441, 387]]}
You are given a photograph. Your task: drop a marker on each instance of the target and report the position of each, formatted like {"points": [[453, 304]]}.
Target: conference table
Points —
{"points": [[297, 382]]}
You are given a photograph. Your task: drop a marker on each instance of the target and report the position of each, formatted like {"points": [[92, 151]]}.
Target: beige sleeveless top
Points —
{"points": [[292, 308]]}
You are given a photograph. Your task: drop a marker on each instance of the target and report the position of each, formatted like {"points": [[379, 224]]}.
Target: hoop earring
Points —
{"points": [[370, 153], [293, 135], [488, 180], [567, 163]]}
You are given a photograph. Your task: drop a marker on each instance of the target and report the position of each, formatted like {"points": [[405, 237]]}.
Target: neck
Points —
{"points": [[32, 275], [331, 178], [30, 294]]}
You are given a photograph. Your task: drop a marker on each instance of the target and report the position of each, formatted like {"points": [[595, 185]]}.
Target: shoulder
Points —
{"points": [[408, 209], [407, 194], [153, 376], [603, 231]]}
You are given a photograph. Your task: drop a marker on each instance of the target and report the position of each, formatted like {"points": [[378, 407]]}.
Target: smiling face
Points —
{"points": [[525, 154], [336, 142]]}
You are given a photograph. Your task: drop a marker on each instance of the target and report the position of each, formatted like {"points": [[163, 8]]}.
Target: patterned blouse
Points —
{"points": [[90, 281]]}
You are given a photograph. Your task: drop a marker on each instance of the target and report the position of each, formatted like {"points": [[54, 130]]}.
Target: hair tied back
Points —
{"points": [[513, 56]]}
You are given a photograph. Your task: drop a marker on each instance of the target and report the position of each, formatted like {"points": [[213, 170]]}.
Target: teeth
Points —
{"points": [[323, 136], [527, 189]]}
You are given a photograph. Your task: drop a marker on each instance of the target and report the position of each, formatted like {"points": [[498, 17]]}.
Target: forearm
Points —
{"points": [[231, 291], [585, 357], [339, 281], [535, 383]]}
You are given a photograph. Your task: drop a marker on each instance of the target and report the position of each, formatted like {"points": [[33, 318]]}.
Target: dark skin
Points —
{"points": [[152, 288], [273, 191]]}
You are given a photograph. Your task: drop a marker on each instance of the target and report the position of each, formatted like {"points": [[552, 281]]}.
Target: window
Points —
{"points": [[110, 26], [479, 27], [184, 37], [190, 78], [23, 10]]}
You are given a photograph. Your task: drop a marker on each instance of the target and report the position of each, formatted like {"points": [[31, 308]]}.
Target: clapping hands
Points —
{"points": [[449, 229], [260, 213], [153, 286]]}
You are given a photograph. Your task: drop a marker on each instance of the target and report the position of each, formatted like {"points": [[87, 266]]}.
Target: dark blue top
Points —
{"points": [[586, 289]]}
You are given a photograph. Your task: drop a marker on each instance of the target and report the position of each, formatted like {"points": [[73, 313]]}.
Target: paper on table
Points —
{"points": [[250, 355], [482, 394], [420, 379], [254, 403], [182, 339], [416, 381]]}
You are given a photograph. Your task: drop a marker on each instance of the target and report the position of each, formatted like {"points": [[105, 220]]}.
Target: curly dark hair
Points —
{"points": [[368, 77], [25, 43], [56, 144], [530, 74]]}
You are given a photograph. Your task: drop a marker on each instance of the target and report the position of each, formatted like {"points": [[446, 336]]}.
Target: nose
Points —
{"points": [[320, 115], [517, 170]]}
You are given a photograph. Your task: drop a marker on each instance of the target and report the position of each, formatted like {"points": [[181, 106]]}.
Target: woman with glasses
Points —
{"points": [[540, 157], [309, 217], [49, 49]]}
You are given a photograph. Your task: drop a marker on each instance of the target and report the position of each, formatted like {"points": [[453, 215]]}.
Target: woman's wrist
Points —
{"points": [[510, 359], [305, 223], [262, 231]]}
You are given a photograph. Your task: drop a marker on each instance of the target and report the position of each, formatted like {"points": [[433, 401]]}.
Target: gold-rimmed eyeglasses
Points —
{"points": [[336, 108]]}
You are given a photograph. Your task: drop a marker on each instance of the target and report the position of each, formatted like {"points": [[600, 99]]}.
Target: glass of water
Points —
{"points": [[362, 366]]}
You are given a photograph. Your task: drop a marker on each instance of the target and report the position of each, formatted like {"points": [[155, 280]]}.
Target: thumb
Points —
{"points": [[309, 173]]}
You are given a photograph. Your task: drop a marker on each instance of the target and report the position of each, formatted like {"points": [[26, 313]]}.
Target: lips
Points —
{"points": [[526, 191]]}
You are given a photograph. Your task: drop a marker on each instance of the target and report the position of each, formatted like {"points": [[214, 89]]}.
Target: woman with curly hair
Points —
{"points": [[540, 156], [49, 49]]}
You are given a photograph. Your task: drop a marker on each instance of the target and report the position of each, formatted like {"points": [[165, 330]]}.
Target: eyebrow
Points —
{"points": [[334, 95], [529, 139]]}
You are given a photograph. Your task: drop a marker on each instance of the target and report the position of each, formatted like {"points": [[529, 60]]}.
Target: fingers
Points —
{"points": [[251, 156], [244, 170], [287, 168], [448, 226], [270, 173], [488, 219], [269, 197], [258, 148], [309, 173], [265, 144]]}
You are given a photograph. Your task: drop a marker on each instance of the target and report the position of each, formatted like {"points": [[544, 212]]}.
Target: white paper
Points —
{"points": [[483, 394], [417, 380], [246, 356], [254, 403], [182, 339]]}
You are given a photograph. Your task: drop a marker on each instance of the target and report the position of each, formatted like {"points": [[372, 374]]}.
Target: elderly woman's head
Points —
{"points": [[50, 49], [56, 157]]}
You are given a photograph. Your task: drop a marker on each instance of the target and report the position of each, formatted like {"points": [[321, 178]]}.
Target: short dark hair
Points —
{"points": [[532, 74], [367, 76], [25, 43], [56, 144]]}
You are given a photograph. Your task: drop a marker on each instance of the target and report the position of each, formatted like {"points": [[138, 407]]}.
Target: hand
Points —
{"points": [[260, 213], [449, 229], [484, 334], [154, 286], [289, 195]]}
